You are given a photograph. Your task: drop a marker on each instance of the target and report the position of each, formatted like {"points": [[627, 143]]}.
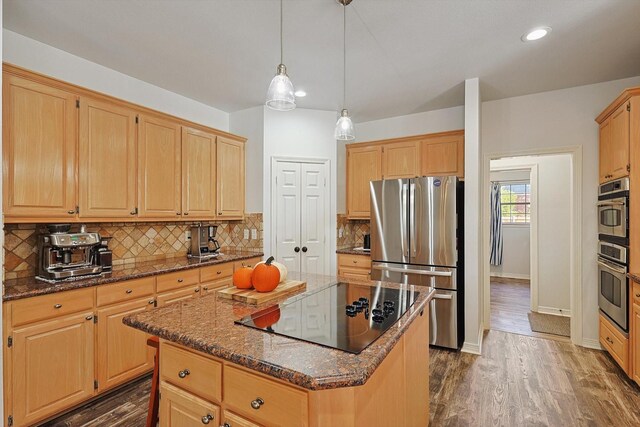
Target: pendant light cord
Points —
{"points": [[344, 55], [281, 48]]}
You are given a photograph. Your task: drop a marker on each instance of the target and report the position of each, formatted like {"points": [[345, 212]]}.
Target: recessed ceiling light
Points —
{"points": [[300, 93], [535, 34]]}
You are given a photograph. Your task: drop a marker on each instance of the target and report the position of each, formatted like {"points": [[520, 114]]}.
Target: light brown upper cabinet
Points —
{"points": [[198, 174], [107, 166], [40, 125], [614, 144], [230, 178], [443, 155], [401, 160], [409, 157], [364, 164], [159, 168]]}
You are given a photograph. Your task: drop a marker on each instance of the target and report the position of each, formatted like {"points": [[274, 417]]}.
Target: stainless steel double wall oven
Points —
{"points": [[613, 251]]}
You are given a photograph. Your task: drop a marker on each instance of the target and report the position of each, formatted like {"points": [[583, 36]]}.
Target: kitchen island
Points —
{"points": [[214, 370]]}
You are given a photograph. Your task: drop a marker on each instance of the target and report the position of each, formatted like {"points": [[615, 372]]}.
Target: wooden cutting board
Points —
{"points": [[251, 296]]}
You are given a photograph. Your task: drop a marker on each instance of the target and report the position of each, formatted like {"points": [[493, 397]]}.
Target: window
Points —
{"points": [[515, 198]]}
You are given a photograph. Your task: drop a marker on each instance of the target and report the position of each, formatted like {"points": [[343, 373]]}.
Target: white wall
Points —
{"points": [[516, 241], [474, 268], [250, 124], [34, 55], [551, 120], [300, 133], [554, 228], [396, 127]]}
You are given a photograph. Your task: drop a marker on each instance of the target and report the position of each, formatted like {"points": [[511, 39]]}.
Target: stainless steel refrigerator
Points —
{"points": [[417, 238]]}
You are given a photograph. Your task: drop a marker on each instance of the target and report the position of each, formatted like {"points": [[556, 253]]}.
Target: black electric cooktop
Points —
{"points": [[346, 316]]}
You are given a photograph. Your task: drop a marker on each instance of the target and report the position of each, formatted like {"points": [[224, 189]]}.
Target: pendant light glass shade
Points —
{"points": [[344, 127], [280, 95]]}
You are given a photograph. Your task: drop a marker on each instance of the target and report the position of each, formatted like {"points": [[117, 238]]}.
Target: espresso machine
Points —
{"points": [[63, 254], [203, 242]]}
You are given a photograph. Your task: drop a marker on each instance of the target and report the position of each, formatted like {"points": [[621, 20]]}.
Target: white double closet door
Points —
{"points": [[302, 216]]}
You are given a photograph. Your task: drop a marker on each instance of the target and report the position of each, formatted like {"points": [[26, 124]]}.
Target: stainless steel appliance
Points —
{"points": [[613, 284], [203, 242], [63, 254], [348, 316], [613, 211], [417, 238]]}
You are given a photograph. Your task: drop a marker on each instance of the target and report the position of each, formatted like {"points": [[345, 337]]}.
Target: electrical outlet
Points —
{"points": [[341, 232], [246, 234], [254, 233], [187, 236]]}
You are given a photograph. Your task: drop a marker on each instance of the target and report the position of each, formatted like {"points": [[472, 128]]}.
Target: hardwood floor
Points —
{"points": [[529, 381], [126, 407], [510, 303]]}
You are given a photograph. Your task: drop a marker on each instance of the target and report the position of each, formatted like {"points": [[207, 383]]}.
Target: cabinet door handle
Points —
{"points": [[180, 280], [89, 317], [56, 306], [186, 213], [134, 211], [196, 290], [178, 213], [219, 213], [637, 295], [205, 288], [207, 419], [257, 403], [129, 291], [71, 212], [184, 373], [152, 301]]}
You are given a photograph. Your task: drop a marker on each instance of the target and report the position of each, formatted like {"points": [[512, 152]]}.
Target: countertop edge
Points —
{"points": [[357, 378], [352, 251], [52, 288]]}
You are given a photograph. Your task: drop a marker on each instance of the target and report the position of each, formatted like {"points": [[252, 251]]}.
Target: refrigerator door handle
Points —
{"points": [[403, 218], [411, 271], [442, 296], [412, 216]]}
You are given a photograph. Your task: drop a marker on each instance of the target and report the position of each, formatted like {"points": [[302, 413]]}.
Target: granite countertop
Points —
{"points": [[206, 324], [30, 286], [634, 276], [351, 250]]}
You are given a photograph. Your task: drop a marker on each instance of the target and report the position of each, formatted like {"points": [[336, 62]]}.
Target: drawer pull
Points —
{"points": [[89, 317], [218, 272], [205, 288], [207, 419], [152, 301], [56, 306], [355, 261], [129, 291], [180, 280], [609, 340], [196, 290], [184, 373], [256, 404], [637, 295]]}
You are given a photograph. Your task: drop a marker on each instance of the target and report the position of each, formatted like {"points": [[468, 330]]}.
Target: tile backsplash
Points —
{"points": [[130, 243], [353, 231]]}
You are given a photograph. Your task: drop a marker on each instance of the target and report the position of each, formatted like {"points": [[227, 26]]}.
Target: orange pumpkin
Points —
{"points": [[242, 278], [265, 276]]}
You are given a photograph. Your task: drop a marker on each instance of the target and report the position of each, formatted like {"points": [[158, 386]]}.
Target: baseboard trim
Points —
{"points": [[554, 311], [511, 276], [474, 348], [591, 343]]}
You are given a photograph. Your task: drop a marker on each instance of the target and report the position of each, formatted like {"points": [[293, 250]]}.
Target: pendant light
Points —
{"points": [[344, 127], [280, 95]]}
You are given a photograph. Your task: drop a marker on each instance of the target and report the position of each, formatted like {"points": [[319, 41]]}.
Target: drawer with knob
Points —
{"points": [[179, 408], [251, 262], [124, 291], [263, 400], [192, 372], [216, 272], [212, 287], [44, 307], [636, 292], [179, 279], [614, 342], [234, 420], [354, 261]]}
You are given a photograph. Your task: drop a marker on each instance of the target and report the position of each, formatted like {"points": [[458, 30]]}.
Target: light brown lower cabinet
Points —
{"points": [[395, 395], [354, 266], [178, 295], [123, 353], [616, 344], [52, 366], [635, 320], [179, 408]]}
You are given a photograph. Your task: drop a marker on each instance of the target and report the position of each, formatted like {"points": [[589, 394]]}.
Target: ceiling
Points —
{"points": [[403, 56]]}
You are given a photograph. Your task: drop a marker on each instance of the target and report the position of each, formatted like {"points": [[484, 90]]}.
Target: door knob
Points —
{"points": [[296, 249], [304, 249]]}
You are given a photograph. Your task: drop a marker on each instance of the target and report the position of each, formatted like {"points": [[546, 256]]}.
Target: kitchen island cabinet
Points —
{"points": [[213, 368]]}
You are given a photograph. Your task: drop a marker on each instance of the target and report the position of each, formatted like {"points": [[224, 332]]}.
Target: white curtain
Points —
{"points": [[496, 225]]}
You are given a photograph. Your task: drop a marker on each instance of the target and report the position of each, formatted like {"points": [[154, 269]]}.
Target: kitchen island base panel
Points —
{"points": [[397, 394]]}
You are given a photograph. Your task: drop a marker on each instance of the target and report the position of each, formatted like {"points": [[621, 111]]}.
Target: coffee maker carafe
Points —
{"points": [[203, 242], [62, 254]]}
